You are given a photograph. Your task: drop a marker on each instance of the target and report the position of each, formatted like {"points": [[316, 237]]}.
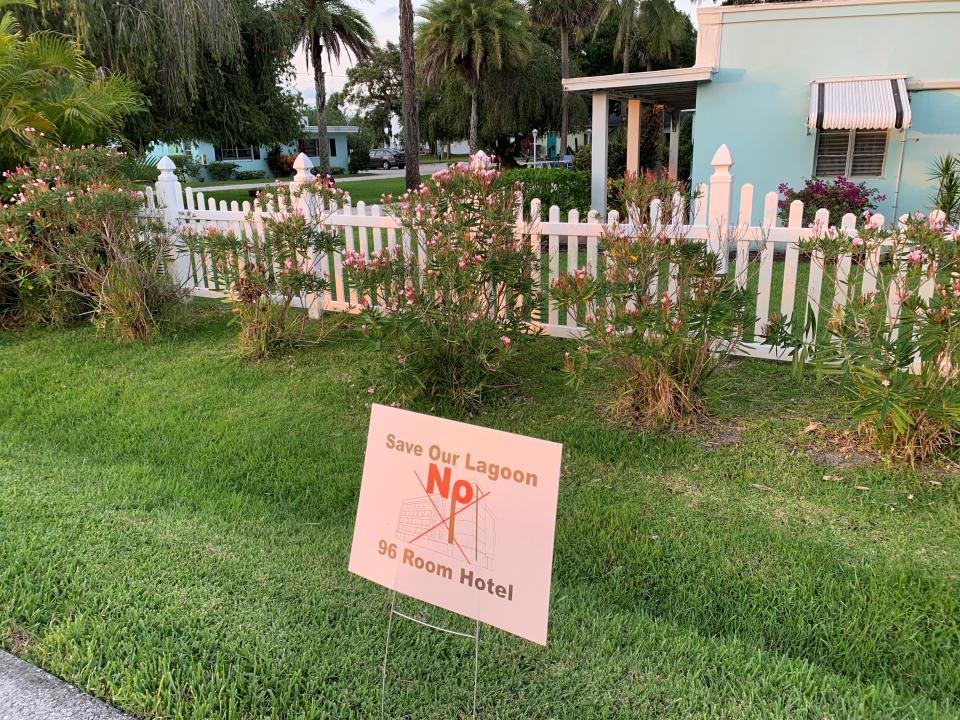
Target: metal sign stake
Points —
{"points": [[475, 636]]}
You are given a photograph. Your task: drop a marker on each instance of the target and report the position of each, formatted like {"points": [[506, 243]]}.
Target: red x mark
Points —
{"points": [[443, 518]]}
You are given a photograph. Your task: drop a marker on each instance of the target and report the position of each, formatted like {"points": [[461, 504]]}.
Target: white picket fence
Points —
{"points": [[570, 242]]}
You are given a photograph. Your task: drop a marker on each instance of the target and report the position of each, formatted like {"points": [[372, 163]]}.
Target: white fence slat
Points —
{"points": [[553, 250], [871, 267], [815, 279], [573, 257], [841, 293], [790, 262]]}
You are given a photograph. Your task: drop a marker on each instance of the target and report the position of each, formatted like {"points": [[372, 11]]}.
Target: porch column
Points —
{"points": [[674, 165], [633, 136], [598, 154]]}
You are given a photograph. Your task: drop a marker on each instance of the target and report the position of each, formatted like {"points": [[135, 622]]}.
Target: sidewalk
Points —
{"points": [[28, 693]]}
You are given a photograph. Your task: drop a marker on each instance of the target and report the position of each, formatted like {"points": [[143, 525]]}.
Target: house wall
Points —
{"points": [[757, 101]]}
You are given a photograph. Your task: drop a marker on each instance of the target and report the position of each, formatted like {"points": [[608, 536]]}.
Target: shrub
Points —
{"points": [[358, 149], [447, 328], [221, 170], [74, 245], [280, 164], [661, 342], [567, 189], [266, 273], [249, 174], [616, 156], [336, 170], [872, 349], [945, 172], [840, 196], [189, 169]]}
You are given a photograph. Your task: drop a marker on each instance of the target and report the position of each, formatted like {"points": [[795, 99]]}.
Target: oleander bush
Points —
{"points": [[273, 273], [657, 341], [448, 311], [895, 351], [74, 246]]}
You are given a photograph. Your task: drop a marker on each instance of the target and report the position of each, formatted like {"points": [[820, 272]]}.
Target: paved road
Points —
{"points": [[428, 169], [28, 693]]}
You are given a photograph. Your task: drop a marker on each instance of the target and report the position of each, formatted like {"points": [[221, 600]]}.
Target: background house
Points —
{"points": [[869, 89], [254, 157]]}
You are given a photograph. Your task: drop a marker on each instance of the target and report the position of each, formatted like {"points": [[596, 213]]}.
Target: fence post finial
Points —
{"points": [[302, 164]]}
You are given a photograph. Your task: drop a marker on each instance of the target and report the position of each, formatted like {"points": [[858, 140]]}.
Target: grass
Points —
{"points": [[367, 191], [175, 525]]}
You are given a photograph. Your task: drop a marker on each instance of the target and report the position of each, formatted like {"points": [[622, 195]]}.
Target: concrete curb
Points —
{"points": [[28, 693]]}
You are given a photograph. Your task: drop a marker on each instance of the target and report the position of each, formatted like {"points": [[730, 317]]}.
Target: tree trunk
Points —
{"points": [[408, 73], [474, 121], [564, 98], [320, 87], [626, 52]]}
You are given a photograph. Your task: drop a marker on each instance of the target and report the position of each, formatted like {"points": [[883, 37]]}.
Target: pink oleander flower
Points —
{"points": [[505, 341]]}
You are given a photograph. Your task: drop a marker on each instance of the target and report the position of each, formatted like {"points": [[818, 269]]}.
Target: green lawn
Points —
{"points": [[368, 191], [175, 526]]}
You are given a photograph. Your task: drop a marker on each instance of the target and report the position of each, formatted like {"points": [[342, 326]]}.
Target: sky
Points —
{"points": [[384, 16]]}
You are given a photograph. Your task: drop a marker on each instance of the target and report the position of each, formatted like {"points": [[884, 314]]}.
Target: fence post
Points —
{"points": [[170, 201], [308, 204], [719, 197]]}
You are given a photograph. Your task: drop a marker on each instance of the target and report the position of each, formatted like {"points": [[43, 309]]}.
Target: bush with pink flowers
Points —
{"points": [[896, 350], [657, 339], [74, 246], [448, 306], [272, 273], [839, 196]]}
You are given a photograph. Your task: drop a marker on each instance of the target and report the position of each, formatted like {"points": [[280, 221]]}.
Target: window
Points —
{"points": [[852, 153], [333, 147], [238, 152], [309, 146]]}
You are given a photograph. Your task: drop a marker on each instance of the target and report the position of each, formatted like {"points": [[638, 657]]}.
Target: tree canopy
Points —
{"points": [[209, 69], [49, 93]]}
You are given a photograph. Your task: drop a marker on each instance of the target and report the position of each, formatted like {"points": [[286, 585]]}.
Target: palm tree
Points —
{"points": [[334, 27], [411, 103], [472, 37], [566, 16], [662, 28], [658, 22], [50, 93]]}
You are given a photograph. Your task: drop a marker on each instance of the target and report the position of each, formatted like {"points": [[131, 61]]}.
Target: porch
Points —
{"points": [[675, 90]]}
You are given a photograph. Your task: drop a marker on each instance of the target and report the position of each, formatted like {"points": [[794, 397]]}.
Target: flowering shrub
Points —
{"points": [[448, 310], [72, 244], [661, 340], [266, 273], [897, 350], [840, 196]]}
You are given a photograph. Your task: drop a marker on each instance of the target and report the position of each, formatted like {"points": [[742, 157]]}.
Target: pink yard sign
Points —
{"points": [[459, 516]]}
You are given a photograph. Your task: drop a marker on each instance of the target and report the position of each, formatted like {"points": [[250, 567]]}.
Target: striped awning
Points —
{"points": [[874, 103]]}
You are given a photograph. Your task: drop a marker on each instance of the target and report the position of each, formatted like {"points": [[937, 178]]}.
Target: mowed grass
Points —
{"points": [[175, 525], [367, 191]]}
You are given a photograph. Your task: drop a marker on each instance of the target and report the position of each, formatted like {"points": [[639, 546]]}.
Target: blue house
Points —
{"points": [[254, 157], [868, 89]]}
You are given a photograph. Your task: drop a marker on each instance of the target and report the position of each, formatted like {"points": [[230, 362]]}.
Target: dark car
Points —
{"points": [[387, 158]]}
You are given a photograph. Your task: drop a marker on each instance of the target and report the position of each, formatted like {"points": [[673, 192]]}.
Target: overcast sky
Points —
{"points": [[384, 16]]}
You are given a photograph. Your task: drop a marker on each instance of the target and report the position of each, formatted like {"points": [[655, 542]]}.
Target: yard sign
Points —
{"points": [[459, 516]]}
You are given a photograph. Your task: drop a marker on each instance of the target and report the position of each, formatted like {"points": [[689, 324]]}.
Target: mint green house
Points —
{"points": [[867, 89], [254, 157]]}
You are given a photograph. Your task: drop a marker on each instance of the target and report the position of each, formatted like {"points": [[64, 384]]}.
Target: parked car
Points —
{"points": [[387, 158]]}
